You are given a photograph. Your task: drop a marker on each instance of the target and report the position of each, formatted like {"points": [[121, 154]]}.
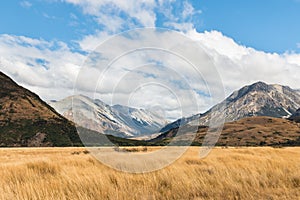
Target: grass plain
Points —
{"points": [[226, 173]]}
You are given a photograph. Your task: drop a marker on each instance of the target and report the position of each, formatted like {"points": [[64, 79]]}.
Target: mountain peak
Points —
{"points": [[259, 86], [257, 99], [259, 83], [261, 99]]}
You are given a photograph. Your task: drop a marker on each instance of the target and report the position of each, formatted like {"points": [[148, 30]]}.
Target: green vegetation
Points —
{"points": [[20, 133]]}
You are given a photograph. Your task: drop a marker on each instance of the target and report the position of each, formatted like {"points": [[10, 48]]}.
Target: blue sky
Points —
{"points": [[46, 20], [45, 43], [269, 25]]}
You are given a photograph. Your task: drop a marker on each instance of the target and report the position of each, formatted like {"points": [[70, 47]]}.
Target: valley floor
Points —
{"points": [[226, 173]]}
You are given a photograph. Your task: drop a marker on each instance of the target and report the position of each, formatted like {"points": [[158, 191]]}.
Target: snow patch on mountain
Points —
{"points": [[116, 120]]}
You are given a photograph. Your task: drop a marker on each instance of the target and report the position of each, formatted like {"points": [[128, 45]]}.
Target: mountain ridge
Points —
{"points": [[257, 99], [26, 120], [117, 120]]}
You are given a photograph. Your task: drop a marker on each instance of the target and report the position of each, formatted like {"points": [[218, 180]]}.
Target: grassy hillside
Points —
{"points": [[26, 120], [251, 131]]}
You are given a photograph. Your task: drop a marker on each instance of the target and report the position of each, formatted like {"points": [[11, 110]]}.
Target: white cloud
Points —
{"points": [[180, 16], [222, 45], [292, 58], [39, 64], [90, 42], [120, 15], [108, 13], [136, 67], [189, 11], [239, 65], [48, 16], [25, 4], [183, 27]]}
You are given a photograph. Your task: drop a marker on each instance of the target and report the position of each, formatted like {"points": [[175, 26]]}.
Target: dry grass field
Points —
{"points": [[229, 173]]}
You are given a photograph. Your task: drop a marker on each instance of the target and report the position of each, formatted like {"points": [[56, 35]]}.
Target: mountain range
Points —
{"points": [[117, 120], [258, 99], [257, 114]]}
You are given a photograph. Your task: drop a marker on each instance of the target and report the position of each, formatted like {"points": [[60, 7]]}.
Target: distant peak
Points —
{"points": [[79, 96], [259, 83], [259, 86]]}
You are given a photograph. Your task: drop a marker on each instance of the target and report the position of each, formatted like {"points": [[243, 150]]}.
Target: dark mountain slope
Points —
{"points": [[26, 120], [296, 116]]}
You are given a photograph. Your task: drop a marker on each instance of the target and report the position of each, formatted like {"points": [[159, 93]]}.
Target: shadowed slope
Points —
{"points": [[26, 120]]}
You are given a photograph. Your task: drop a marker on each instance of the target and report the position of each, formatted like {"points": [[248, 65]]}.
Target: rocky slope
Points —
{"points": [[26, 120], [115, 120], [258, 99]]}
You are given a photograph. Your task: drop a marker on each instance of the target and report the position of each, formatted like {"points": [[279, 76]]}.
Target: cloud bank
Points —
{"points": [[51, 68]]}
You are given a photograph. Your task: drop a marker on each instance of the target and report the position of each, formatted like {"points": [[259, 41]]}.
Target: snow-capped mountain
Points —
{"points": [[116, 120], [258, 99]]}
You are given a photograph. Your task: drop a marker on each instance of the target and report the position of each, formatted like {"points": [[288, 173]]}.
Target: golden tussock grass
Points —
{"points": [[72, 173]]}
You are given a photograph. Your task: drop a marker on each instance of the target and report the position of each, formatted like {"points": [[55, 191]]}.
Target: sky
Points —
{"points": [[45, 45], [270, 25]]}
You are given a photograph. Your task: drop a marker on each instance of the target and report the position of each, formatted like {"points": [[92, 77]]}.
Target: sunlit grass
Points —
{"points": [[72, 173]]}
